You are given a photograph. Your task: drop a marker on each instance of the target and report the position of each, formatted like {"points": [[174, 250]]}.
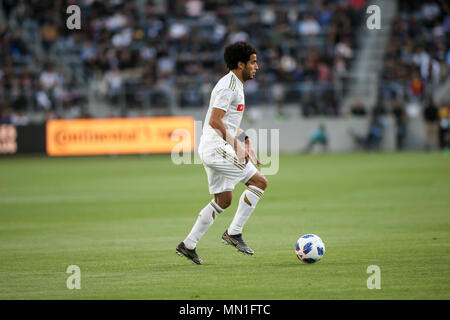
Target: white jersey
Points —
{"points": [[227, 95]]}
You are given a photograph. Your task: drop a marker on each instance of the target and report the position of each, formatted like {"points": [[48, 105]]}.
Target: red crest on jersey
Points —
{"points": [[240, 107]]}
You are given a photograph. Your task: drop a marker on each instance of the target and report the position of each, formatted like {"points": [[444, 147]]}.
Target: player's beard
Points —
{"points": [[248, 75]]}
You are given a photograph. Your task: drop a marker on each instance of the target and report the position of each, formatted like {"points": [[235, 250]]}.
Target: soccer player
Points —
{"points": [[225, 159]]}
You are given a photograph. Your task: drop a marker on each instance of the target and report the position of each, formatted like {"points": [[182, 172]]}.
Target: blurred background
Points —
{"points": [[326, 80]]}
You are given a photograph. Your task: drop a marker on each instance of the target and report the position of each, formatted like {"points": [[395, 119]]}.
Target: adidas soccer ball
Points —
{"points": [[309, 248]]}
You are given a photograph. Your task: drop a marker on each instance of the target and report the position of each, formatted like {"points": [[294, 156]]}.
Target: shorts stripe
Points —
{"points": [[230, 158]]}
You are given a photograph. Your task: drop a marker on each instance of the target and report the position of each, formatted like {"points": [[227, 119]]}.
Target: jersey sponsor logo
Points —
{"points": [[240, 107]]}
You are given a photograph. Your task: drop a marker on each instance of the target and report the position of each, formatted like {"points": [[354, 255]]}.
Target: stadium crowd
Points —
{"points": [[157, 53], [418, 54], [416, 62], [145, 53]]}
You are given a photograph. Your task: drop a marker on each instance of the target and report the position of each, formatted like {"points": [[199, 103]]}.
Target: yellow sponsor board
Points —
{"points": [[119, 136]]}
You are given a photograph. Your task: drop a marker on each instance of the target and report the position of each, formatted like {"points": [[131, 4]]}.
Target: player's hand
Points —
{"points": [[251, 153], [241, 153]]}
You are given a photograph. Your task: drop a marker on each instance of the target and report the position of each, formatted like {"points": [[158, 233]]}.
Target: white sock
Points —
{"points": [[247, 203], [205, 220]]}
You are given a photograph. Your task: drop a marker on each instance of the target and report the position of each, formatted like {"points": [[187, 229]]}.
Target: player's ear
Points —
{"points": [[241, 65]]}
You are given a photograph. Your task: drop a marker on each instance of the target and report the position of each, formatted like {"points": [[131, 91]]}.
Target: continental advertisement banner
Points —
{"points": [[119, 136]]}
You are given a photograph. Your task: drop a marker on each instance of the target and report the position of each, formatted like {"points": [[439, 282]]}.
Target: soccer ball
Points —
{"points": [[309, 248]]}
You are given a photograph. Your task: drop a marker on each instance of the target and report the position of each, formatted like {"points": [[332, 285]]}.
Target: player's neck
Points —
{"points": [[238, 74]]}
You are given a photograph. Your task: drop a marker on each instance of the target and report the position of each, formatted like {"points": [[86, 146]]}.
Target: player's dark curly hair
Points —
{"points": [[238, 51]]}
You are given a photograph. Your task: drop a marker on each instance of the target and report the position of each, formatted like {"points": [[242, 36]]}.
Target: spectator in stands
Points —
{"points": [[49, 78], [5, 116], [398, 111], [115, 84], [379, 110], [430, 115], [430, 11], [310, 107], [343, 49], [358, 109], [17, 45], [444, 126], [417, 87], [309, 26], [194, 8], [51, 83], [20, 118], [319, 135], [49, 34], [278, 94], [372, 140]]}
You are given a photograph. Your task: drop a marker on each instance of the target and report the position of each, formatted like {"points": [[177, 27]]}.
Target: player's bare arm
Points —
{"points": [[248, 147], [216, 123], [251, 153]]}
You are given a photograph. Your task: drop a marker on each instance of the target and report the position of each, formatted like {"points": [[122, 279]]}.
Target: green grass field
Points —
{"points": [[120, 218]]}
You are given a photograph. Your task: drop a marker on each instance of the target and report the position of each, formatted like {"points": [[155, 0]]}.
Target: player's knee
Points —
{"points": [[223, 201], [259, 181], [263, 183]]}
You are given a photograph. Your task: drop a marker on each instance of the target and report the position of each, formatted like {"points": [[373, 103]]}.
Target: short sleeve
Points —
{"points": [[223, 99]]}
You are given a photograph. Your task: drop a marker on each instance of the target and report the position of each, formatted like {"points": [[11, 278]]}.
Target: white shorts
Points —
{"points": [[223, 169]]}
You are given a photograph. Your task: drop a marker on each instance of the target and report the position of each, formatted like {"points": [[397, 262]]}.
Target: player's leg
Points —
{"points": [[221, 188], [207, 217], [223, 199], [225, 171], [258, 180], [247, 204]]}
